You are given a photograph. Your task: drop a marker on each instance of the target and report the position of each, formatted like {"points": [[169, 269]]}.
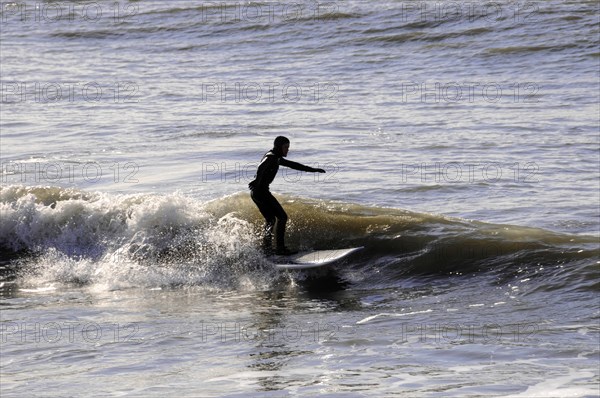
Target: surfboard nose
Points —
{"points": [[317, 258]]}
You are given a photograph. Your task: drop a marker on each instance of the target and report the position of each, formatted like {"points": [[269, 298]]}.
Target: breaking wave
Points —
{"points": [[51, 234]]}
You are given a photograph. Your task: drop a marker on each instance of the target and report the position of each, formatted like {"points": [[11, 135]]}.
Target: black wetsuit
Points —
{"points": [[267, 204]]}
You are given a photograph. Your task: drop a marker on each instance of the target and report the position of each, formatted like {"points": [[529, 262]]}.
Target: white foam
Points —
{"points": [[562, 386], [39, 289], [387, 314], [120, 241]]}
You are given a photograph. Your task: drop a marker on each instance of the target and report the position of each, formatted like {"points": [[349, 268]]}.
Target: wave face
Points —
{"points": [[70, 236]]}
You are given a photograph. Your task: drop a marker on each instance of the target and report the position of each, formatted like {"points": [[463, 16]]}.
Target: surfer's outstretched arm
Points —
{"points": [[299, 166]]}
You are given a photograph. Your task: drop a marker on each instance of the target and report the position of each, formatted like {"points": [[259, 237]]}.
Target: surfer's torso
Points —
{"points": [[268, 168]]}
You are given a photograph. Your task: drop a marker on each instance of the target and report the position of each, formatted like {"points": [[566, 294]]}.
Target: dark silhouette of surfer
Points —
{"points": [[269, 207]]}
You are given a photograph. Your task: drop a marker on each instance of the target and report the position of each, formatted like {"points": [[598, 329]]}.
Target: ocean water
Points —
{"points": [[461, 143]]}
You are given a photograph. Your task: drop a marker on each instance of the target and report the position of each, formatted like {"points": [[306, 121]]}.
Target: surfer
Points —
{"points": [[269, 207]]}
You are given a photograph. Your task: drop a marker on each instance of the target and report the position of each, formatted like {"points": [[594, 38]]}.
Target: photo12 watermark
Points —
{"points": [[465, 333], [267, 12], [470, 11], [471, 172], [238, 332], [39, 12], [468, 92], [63, 332], [69, 172], [269, 92], [69, 92]]}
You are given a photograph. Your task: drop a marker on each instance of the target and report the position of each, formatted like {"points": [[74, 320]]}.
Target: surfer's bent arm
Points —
{"points": [[299, 166]]}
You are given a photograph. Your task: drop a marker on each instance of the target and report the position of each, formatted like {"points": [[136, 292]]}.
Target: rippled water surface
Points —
{"points": [[461, 143]]}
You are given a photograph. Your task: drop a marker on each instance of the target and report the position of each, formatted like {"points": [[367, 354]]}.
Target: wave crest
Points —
{"points": [[74, 236]]}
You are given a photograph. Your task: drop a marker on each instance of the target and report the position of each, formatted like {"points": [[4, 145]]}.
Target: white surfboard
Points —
{"points": [[315, 259]]}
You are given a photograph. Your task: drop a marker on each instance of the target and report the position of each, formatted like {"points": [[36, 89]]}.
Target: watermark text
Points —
{"points": [[67, 332], [66, 92], [72, 172], [467, 92], [269, 92], [53, 12]]}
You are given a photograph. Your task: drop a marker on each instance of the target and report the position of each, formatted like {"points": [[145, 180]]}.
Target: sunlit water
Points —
{"points": [[461, 147]]}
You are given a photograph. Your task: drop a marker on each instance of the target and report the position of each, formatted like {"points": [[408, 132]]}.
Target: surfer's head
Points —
{"points": [[281, 145]]}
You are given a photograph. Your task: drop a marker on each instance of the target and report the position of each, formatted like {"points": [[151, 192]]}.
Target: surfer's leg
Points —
{"points": [[265, 209], [282, 218], [274, 215]]}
